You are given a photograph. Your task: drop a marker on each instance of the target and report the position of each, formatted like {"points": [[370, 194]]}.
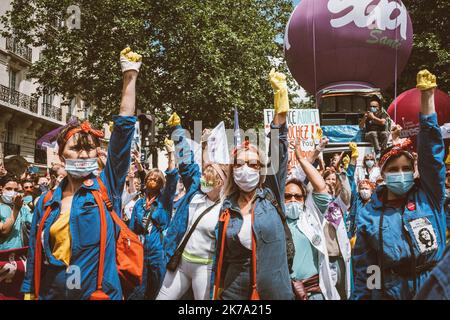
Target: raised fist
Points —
{"points": [[279, 85], [170, 148], [354, 149], [174, 120], [426, 80], [277, 80], [346, 161], [130, 60]]}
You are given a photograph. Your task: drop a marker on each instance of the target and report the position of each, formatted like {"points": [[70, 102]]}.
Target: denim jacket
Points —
{"points": [[190, 175], [84, 228], [273, 280]]}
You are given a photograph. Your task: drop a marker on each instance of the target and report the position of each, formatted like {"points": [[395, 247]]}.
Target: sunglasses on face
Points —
{"points": [[250, 164], [28, 188], [296, 196]]}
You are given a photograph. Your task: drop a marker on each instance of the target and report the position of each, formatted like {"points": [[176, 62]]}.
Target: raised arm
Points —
{"points": [[7, 226], [313, 176], [276, 177], [168, 194], [119, 148], [188, 168], [317, 151], [430, 143], [130, 63]]}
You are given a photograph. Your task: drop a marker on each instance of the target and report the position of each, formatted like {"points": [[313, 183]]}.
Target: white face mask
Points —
{"points": [[246, 178], [365, 194], [81, 168], [8, 196], [370, 163]]}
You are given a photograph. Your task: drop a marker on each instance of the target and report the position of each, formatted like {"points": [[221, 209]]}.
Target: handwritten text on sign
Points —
{"points": [[302, 126]]}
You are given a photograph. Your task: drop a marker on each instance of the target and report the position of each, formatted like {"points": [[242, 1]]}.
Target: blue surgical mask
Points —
{"points": [[400, 183], [27, 199], [322, 201], [81, 168], [373, 110], [294, 210]]}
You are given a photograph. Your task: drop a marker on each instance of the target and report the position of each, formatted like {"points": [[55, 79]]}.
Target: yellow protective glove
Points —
{"points": [[319, 134], [169, 145], [29, 296], [346, 162], [426, 80], [130, 60], [354, 149], [174, 120], [447, 160], [279, 86], [353, 241]]}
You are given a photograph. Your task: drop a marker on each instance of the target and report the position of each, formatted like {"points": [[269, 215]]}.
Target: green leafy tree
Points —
{"points": [[200, 58], [431, 48]]}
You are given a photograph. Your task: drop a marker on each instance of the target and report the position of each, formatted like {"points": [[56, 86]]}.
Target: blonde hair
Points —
{"points": [[159, 174]]}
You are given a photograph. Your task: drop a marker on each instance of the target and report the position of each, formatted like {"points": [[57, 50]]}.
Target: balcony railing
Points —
{"points": [[11, 149], [51, 111], [18, 99], [18, 48]]}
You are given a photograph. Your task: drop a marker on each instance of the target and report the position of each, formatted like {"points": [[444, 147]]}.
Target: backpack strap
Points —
{"points": [[38, 245], [109, 205], [103, 231], [290, 247], [277, 206], [225, 218], [254, 295]]}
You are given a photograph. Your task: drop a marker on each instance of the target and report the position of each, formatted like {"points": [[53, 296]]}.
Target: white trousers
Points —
{"points": [[188, 274]]}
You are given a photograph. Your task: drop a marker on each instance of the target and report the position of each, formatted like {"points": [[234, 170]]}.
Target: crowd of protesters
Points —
{"points": [[238, 231]]}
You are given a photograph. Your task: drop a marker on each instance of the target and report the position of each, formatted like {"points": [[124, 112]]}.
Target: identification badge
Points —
{"points": [[424, 234], [316, 240]]}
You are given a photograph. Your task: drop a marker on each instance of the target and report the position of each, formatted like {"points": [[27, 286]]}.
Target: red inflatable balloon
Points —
{"points": [[408, 107], [347, 44]]}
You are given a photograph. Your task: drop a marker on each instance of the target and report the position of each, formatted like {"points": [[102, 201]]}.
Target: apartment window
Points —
{"points": [[9, 133], [13, 79], [48, 97]]}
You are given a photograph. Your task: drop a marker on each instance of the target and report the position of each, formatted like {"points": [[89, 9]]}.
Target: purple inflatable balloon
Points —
{"points": [[352, 44]]}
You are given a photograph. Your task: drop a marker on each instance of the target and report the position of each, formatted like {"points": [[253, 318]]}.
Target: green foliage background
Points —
{"points": [[202, 58]]}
